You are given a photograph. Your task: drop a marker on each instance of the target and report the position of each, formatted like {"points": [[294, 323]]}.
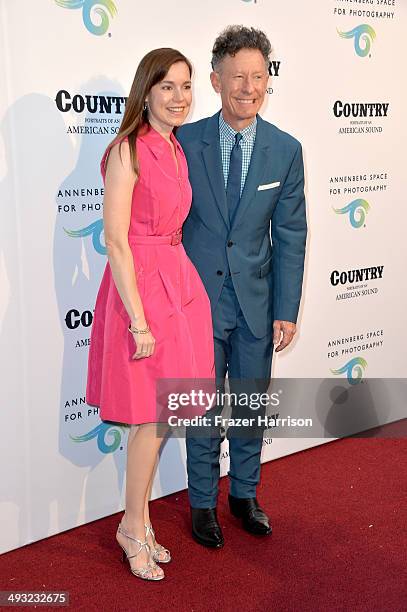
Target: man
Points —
{"points": [[246, 176]]}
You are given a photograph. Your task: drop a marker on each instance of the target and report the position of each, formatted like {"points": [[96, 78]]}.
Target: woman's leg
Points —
{"points": [[162, 555], [142, 452], [148, 495]]}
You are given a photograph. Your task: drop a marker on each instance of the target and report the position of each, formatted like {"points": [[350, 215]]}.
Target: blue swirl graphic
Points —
{"points": [[105, 9], [356, 207], [95, 230], [100, 432], [109, 7], [353, 370], [363, 33]]}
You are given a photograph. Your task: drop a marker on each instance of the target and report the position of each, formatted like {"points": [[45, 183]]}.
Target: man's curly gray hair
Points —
{"points": [[236, 37]]}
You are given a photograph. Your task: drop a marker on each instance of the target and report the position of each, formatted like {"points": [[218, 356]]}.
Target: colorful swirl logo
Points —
{"points": [[353, 370], [364, 33], [95, 230], [105, 9], [357, 210], [100, 432]]}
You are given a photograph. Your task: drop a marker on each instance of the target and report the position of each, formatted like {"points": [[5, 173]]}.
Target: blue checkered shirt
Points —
{"points": [[227, 141]]}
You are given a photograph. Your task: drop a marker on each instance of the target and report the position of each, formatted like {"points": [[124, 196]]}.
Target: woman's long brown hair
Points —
{"points": [[150, 71]]}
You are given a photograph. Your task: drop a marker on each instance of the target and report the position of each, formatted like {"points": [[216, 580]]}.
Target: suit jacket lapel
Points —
{"points": [[258, 164], [213, 163]]}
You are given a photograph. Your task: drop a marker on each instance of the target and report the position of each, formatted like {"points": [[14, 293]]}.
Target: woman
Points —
{"points": [[152, 316]]}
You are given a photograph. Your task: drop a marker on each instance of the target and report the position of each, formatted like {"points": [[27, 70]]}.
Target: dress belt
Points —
{"points": [[172, 239]]}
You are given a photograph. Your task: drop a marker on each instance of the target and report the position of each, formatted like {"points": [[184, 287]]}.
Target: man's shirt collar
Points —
{"points": [[228, 133]]}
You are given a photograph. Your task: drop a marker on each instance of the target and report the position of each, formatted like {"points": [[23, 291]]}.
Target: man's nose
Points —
{"points": [[248, 85]]}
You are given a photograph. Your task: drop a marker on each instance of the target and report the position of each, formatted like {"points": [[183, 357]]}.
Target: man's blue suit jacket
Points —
{"points": [[267, 275]]}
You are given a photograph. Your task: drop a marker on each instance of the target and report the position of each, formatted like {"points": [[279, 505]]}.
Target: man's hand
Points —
{"points": [[283, 334]]}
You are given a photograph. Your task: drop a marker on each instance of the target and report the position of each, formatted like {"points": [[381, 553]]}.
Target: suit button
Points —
{"points": [[230, 243], [219, 272]]}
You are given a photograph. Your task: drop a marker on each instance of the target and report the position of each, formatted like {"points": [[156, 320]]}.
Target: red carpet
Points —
{"points": [[339, 518]]}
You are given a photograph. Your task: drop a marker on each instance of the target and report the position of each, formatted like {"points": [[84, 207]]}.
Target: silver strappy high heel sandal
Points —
{"points": [[160, 554], [141, 572]]}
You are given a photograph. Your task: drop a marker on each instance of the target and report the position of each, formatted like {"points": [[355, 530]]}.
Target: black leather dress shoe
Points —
{"points": [[205, 527], [254, 519]]}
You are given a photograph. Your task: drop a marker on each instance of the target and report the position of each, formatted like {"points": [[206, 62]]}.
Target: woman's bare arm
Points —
{"points": [[119, 183]]}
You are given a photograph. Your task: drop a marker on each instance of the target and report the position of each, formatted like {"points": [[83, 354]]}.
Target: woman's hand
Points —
{"points": [[145, 344]]}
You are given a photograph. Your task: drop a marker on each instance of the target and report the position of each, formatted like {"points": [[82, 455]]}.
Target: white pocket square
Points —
{"points": [[268, 186]]}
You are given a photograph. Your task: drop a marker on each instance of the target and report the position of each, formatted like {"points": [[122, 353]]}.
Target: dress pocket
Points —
{"points": [[169, 293]]}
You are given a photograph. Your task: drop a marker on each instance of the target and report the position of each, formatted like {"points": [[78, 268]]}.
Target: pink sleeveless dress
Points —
{"points": [[174, 299]]}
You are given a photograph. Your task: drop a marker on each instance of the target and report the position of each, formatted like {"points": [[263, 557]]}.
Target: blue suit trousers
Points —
{"points": [[247, 360]]}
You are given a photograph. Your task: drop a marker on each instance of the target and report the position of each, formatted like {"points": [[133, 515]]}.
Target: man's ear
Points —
{"points": [[215, 80]]}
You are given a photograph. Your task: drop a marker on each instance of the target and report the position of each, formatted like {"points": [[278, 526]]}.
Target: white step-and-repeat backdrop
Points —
{"points": [[65, 69]]}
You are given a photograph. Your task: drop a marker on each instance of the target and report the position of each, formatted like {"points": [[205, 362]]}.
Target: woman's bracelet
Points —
{"points": [[134, 330]]}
